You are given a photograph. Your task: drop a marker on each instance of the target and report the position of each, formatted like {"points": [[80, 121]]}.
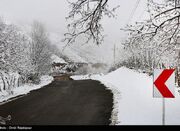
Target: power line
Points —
{"points": [[133, 11]]}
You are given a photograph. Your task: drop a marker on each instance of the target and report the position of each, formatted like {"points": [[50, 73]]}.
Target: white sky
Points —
{"points": [[53, 12]]}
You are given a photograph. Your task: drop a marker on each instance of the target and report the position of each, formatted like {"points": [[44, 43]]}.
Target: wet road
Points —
{"points": [[84, 102]]}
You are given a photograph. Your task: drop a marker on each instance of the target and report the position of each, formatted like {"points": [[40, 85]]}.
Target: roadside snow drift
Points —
{"points": [[133, 99], [25, 89]]}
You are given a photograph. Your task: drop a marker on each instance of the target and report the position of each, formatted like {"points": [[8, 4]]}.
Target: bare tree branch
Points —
{"points": [[86, 16]]}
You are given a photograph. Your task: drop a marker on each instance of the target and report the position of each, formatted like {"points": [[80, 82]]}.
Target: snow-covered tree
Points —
{"points": [[152, 43], [40, 53], [14, 55]]}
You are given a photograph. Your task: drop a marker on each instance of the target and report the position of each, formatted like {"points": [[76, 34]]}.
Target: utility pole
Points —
{"points": [[114, 54], [178, 61]]}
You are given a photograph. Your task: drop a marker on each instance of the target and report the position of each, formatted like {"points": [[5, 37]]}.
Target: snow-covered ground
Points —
{"points": [[25, 89], [133, 100], [56, 59]]}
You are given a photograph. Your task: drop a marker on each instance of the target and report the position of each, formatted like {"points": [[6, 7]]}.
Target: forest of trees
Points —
{"points": [[24, 56], [154, 43]]}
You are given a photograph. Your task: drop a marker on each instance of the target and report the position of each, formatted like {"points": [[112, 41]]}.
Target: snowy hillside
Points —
{"points": [[68, 51], [56, 59], [73, 56], [133, 100], [88, 53]]}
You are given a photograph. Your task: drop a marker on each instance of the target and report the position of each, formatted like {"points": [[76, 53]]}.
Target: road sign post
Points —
{"points": [[163, 111], [163, 87]]}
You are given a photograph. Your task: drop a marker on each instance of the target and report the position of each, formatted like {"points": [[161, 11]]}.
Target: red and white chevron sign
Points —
{"points": [[164, 83]]}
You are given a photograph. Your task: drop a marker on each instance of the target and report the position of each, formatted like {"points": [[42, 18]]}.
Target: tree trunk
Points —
{"points": [[4, 84]]}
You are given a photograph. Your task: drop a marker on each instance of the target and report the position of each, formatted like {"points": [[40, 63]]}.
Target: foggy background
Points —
{"points": [[53, 12]]}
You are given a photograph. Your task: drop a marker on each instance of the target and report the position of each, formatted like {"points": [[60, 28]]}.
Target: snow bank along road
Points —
{"points": [[133, 99], [83, 102]]}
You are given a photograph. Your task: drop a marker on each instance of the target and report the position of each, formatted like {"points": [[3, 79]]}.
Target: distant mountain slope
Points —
{"points": [[56, 59]]}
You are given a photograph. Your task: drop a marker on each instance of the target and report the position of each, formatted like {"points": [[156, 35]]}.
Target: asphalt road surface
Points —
{"points": [[83, 102]]}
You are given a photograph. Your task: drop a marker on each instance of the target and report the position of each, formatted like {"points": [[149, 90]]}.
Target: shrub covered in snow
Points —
{"points": [[24, 89], [24, 58]]}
